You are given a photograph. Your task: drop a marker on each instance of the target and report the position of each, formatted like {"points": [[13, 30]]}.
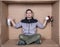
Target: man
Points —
{"points": [[29, 25]]}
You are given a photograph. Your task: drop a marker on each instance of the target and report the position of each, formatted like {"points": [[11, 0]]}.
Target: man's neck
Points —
{"points": [[29, 18]]}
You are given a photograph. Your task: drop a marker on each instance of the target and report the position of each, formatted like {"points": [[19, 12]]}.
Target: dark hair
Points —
{"points": [[29, 10]]}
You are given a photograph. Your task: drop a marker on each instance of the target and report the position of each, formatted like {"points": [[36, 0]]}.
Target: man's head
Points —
{"points": [[29, 13]]}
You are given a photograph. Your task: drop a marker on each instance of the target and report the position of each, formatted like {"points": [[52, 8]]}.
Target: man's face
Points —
{"points": [[29, 14]]}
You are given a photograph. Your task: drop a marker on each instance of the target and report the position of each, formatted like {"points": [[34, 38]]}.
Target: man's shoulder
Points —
{"points": [[35, 20], [23, 20], [26, 21]]}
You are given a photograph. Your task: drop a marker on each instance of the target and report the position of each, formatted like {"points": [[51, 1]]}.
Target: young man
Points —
{"points": [[29, 25]]}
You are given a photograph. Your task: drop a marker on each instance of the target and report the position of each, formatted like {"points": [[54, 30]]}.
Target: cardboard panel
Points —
{"points": [[55, 27], [0, 16], [59, 22], [4, 27], [17, 12], [29, 1], [0, 21]]}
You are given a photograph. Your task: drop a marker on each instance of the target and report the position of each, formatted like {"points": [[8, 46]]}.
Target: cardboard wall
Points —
{"points": [[0, 18], [0, 15], [4, 27], [0, 23], [30, 0], [59, 22], [55, 27], [17, 12]]}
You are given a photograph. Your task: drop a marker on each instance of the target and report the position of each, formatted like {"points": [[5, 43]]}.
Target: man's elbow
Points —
{"points": [[42, 27], [15, 27]]}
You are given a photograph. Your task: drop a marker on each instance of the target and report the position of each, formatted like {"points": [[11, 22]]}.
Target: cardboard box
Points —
{"points": [[41, 8]]}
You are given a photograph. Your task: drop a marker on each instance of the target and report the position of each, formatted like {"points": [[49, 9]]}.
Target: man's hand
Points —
{"points": [[12, 22], [48, 19]]}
